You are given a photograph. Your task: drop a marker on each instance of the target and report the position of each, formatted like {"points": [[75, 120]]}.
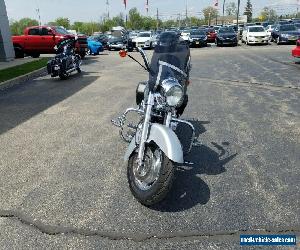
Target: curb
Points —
{"points": [[22, 79]]}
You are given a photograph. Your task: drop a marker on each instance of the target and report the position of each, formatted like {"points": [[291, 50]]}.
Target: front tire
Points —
{"points": [[153, 182]]}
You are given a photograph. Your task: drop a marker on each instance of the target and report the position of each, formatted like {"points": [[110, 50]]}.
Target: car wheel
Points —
{"points": [[19, 53], [35, 55]]}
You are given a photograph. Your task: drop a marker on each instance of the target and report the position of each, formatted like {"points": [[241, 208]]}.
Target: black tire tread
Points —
{"points": [[163, 185]]}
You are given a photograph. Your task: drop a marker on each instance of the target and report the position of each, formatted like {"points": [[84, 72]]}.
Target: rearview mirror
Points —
{"points": [[123, 53]]}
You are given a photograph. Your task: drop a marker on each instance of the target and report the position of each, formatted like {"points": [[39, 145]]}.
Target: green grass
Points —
{"points": [[23, 69]]}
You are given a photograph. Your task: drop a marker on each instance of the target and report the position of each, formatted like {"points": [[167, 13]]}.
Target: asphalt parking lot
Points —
{"points": [[63, 182]]}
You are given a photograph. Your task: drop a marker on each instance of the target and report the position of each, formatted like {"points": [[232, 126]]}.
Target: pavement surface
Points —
{"points": [[63, 181]]}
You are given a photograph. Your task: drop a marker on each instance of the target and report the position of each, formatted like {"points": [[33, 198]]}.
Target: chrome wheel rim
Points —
{"points": [[146, 176]]}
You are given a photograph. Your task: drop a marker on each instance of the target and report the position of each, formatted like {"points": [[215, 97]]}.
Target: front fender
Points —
{"points": [[165, 139]]}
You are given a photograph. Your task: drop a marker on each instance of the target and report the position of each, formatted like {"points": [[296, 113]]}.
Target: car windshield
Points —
{"points": [[144, 35], [132, 34], [226, 30], [256, 29], [288, 28], [114, 38], [186, 31], [210, 30], [198, 33], [62, 31]]}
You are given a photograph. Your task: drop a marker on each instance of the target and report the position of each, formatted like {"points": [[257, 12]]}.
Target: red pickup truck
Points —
{"points": [[42, 40]]}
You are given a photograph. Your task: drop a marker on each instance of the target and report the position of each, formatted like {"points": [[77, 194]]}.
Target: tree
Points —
{"points": [[78, 26], [62, 21], [118, 20], [249, 11], [231, 9], [210, 13], [17, 27], [149, 23], [268, 14], [135, 19]]}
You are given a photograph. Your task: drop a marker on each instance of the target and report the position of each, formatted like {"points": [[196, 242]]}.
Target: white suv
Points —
{"points": [[255, 35]]}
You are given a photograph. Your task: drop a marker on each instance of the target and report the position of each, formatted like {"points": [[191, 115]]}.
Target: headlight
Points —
{"points": [[221, 38], [173, 92], [205, 38]]}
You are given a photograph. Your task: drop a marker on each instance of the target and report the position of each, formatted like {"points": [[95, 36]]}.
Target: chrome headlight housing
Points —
{"points": [[173, 92]]}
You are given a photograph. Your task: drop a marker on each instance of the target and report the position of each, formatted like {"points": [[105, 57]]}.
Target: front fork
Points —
{"points": [[145, 131]]}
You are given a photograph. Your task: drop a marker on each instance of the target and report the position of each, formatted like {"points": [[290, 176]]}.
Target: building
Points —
{"points": [[6, 47]]}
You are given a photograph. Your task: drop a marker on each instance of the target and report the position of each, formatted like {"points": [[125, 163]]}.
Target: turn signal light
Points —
{"points": [[123, 53]]}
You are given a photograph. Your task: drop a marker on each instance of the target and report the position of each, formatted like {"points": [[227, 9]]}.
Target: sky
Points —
{"points": [[92, 10]]}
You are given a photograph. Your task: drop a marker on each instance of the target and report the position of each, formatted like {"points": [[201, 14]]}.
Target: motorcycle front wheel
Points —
{"points": [[151, 183]]}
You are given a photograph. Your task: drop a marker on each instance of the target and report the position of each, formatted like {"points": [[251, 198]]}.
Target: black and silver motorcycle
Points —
{"points": [[155, 145], [66, 60]]}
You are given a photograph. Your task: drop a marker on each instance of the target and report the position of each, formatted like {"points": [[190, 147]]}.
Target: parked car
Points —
{"points": [[186, 35], [287, 33], [133, 35], [211, 35], [102, 38], [198, 38], [116, 43], [42, 40], [155, 40], [143, 40], [297, 25], [282, 22], [94, 46], [226, 36], [123, 35], [296, 50], [255, 35]]}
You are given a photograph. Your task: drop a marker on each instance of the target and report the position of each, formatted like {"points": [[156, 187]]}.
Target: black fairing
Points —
{"points": [[173, 50]]}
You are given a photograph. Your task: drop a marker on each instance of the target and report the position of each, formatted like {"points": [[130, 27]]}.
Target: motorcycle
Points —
{"points": [[66, 60], [155, 148]]}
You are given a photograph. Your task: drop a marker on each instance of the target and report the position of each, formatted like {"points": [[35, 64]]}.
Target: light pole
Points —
{"points": [[223, 12], [238, 17]]}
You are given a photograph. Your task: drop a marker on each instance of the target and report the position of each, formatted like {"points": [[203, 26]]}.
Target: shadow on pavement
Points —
{"points": [[189, 189], [20, 103]]}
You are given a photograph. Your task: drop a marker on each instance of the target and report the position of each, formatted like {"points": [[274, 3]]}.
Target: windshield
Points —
{"points": [[114, 38], [144, 35], [132, 34], [172, 50], [288, 28], [62, 31], [198, 33], [256, 29], [226, 30]]}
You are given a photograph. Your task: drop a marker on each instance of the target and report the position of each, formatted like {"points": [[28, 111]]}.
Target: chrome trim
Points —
{"points": [[172, 67], [192, 127], [165, 139]]}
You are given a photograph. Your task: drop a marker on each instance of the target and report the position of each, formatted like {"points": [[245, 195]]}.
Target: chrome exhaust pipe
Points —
{"points": [[70, 70]]}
